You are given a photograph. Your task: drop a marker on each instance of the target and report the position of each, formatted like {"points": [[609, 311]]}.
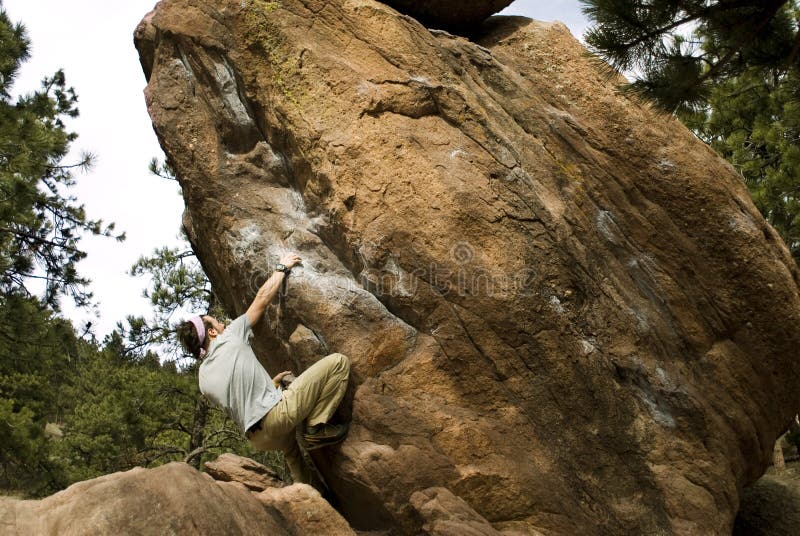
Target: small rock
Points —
{"points": [[232, 468]]}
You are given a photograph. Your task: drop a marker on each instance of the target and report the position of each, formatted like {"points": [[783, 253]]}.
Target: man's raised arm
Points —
{"points": [[270, 287]]}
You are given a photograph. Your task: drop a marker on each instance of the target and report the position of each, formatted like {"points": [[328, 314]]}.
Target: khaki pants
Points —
{"points": [[311, 399]]}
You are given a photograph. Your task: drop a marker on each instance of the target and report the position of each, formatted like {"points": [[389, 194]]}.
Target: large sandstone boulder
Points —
{"points": [[560, 306], [171, 499]]}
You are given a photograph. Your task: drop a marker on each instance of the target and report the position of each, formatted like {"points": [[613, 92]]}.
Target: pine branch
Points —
{"points": [[744, 37], [659, 31]]}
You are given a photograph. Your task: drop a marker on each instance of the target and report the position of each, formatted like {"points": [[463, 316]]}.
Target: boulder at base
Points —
{"points": [[559, 305], [171, 499]]}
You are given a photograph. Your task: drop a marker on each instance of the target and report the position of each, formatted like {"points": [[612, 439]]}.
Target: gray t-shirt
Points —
{"points": [[232, 377]]}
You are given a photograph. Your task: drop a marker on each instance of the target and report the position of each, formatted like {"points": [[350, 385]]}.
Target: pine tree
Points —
{"points": [[124, 414], [176, 280], [40, 230], [37, 359], [678, 48]]}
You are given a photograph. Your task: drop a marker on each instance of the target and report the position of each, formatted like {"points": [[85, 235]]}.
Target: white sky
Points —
{"points": [[92, 40]]}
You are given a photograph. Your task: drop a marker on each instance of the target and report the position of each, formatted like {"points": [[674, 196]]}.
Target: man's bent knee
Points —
{"points": [[340, 361]]}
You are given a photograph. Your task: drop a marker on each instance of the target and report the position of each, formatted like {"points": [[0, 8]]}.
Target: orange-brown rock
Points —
{"points": [[560, 306], [171, 499], [444, 514], [233, 468]]}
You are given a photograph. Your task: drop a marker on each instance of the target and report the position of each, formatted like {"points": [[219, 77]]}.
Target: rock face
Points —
{"points": [[560, 306], [172, 499], [454, 15]]}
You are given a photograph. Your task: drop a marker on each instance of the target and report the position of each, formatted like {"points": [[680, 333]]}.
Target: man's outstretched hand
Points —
{"points": [[290, 260]]}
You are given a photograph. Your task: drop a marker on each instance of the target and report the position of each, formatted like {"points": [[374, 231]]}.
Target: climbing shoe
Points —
{"points": [[322, 435]]}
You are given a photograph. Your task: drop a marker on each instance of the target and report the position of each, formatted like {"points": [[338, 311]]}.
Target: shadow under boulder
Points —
{"points": [[452, 15], [771, 506]]}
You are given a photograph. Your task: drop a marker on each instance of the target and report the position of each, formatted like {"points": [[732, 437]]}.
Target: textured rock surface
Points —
{"points": [[455, 15], [559, 305], [444, 514], [232, 468], [304, 512], [770, 507], [171, 499]]}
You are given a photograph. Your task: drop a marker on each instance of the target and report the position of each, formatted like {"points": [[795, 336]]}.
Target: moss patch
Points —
{"points": [[264, 38]]}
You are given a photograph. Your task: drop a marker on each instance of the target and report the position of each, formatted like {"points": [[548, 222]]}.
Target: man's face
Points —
{"points": [[216, 325]]}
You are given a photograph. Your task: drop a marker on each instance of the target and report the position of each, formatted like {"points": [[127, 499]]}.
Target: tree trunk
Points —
{"points": [[777, 456], [198, 429]]}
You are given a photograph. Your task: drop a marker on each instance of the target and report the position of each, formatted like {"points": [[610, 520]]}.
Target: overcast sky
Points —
{"points": [[92, 41]]}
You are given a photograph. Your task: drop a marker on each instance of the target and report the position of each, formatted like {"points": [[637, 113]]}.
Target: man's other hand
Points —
{"points": [[276, 381], [290, 260]]}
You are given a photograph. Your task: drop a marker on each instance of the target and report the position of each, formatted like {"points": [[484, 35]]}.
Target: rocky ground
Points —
{"points": [[242, 498]]}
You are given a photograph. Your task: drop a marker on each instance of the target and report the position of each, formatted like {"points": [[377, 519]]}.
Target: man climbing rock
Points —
{"points": [[232, 377]]}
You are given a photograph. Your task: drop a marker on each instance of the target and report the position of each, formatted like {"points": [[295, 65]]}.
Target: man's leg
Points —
{"points": [[317, 392], [278, 433], [314, 395], [286, 443], [294, 459]]}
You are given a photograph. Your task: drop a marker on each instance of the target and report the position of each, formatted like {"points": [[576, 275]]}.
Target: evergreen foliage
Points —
{"points": [[176, 280], [35, 356], [679, 48], [39, 232]]}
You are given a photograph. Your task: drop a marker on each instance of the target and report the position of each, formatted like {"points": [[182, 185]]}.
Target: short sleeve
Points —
{"points": [[239, 330]]}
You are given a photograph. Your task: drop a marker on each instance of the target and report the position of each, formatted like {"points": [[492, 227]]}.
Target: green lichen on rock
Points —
{"points": [[265, 37]]}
